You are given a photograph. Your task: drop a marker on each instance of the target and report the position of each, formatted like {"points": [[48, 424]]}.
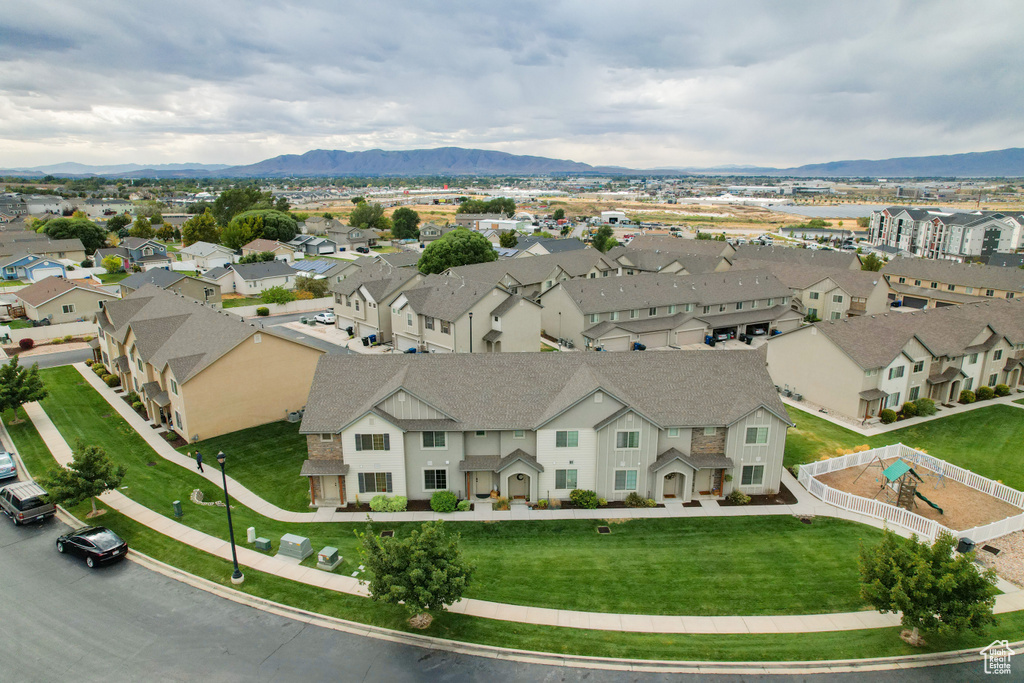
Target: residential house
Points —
{"points": [[541, 246], [362, 301], [632, 260], [281, 251], [207, 256], [201, 372], [666, 310], [311, 245], [41, 204], [324, 269], [471, 221], [98, 207], [681, 245], [532, 276], [198, 288], [251, 279], [450, 314], [930, 283], [62, 301], [137, 251], [12, 206], [825, 293], [18, 242], [430, 232], [858, 366], [30, 268], [314, 225], [350, 238], [539, 425]]}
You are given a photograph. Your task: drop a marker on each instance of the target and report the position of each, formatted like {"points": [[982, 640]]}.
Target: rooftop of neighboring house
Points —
{"points": [[380, 279], [681, 245], [139, 242], [156, 276], [177, 331], [857, 283], [950, 272], [260, 245], [202, 249], [810, 257], [1006, 260], [655, 260], [873, 341], [481, 216], [647, 290], [441, 229], [449, 297], [530, 270], [254, 271], [317, 266], [553, 245], [50, 288], [527, 390]]}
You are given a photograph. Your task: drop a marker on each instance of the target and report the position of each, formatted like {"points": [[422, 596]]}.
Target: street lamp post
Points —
{"points": [[236, 576]]}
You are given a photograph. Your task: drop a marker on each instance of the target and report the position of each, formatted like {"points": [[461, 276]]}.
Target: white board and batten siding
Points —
{"points": [[392, 460], [405, 406], [768, 454], [583, 459], [610, 459]]}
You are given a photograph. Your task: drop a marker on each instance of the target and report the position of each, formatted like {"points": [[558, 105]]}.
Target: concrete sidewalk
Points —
{"points": [[638, 623]]}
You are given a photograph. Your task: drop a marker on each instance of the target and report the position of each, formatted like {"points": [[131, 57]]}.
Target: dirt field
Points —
{"points": [[963, 507]]}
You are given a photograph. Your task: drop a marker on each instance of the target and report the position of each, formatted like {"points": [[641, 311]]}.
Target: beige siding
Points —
{"points": [[809, 363], [405, 406], [86, 306]]}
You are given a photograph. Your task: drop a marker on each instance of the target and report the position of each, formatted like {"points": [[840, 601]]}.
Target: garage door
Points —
{"points": [[366, 330], [212, 263], [914, 302], [43, 273], [403, 343], [684, 337], [615, 343], [326, 249], [654, 339]]}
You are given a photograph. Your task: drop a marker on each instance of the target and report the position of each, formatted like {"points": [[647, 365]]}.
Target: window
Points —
{"points": [[753, 304], [812, 312], [446, 328], [969, 290], [671, 310], [652, 311], [428, 323], [771, 302], [707, 309], [374, 482], [567, 439], [812, 295], [138, 363], [997, 354], [594, 317], [757, 435], [327, 437], [893, 400], [917, 283], [973, 359], [739, 305], [752, 475], [896, 373], [710, 431], [627, 440], [433, 440], [688, 308], [969, 383], [951, 288], [348, 302], [625, 480], [837, 298], [614, 315], [903, 280], [919, 366], [480, 432], [357, 304], [835, 315], [721, 308], [373, 442], [565, 479], [915, 392], [634, 313], [408, 319], [177, 419], [992, 379], [68, 308], [935, 285], [990, 292], [519, 434], [673, 432], [435, 480]]}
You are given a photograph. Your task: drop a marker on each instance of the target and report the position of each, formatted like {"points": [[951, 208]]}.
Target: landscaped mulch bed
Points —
{"points": [[612, 505], [784, 497], [413, 506], [178, 441]]}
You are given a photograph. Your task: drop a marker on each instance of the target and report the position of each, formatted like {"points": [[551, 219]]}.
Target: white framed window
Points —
{"points": [[739, 305], [835, 315], [652, 311], [327, 437], [177, 419], [357, 304], [565, 479], [973, 359], [771, 302], [752, 475], [919, 366], [435, 480], [673, 432], [757, 435], [997, 354], [374, 482], [627, 439], [614, 315], [373, 442], [707, 309], [813, 295], [894, 400], [408, 319], [915, 392], [480, 433], [992, 380], [837, 298], [434, 440], [688, 308], [625, 480], [68, 308], [896, 373], [519, 434], [567, 439], [710, 431], [594, 317], [671, 310]]}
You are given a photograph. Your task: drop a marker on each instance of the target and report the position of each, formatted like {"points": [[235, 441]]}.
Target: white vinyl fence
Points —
{"points": [[905, 518], [48, 332], [297, 306]]}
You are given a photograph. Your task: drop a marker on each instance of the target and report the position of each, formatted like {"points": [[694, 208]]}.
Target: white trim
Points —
{"points": [[423, 478]]}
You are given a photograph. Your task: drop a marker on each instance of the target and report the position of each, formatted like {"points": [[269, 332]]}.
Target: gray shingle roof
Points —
{"points": [[681, 245], [939, 293], [697, 461], [858, 283], [380, 278], [810, 257], [532, 270], [260, 271], [658, 324], [656, 260], [316, 467], [554, 245], [949, 272], [523, 390], [51, 287], [157, 276], [448, 298]]}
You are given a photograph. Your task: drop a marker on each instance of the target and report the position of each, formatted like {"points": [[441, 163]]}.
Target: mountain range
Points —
{"points": [[460, 161]]}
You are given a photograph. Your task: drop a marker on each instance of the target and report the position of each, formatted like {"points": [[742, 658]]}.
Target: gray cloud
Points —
{"points": [[639, 84]]}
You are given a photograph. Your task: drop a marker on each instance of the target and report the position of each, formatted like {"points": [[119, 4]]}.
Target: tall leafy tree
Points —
{"points": [[871, 262], [405, 224], [92, 236], [230, 203], [242, 229], [604, 239], [318, 288], [423, 572], [508, 239], [460, 247], [261, 257], [369, 216], [502, 205], [90, 473], [933, 589], [200, 228], [121, 220], [273, 225], [19, 385], [142, 228], [559, 214], [112, 264]]}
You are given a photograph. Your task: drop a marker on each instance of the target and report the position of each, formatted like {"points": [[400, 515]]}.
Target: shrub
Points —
{"points": [[925, 406], [985, 393], [87, 338], [795, 470], [171, 436], [26, 344], [583, 498], [100, 369], [1002, 390], [443, 501], [602, 502], [737, 497], [89, 362], [555, 503], [398, 504], [887, 416], [500, 503], [132, 397], [379, 503], [263, 311], [112, 381], [542, 503], [967, 396], [463, 506], [137, 405], [635, 500], [57, 340], [68, 338]]}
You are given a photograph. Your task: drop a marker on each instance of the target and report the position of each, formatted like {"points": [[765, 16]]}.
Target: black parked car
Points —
{"points": [[97, 544]]}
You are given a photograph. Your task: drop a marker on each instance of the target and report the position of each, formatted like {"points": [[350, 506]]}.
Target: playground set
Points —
{"points": [[898, 483]]}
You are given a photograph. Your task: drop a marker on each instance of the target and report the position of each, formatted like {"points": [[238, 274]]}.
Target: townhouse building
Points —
{"points": [[826, 293], [673, 427], [201, 372], [430, 232], [349, 237], [667, 310], [632, 260], [198, 288], [820, 258], [471, 221], [680, 245], [858, 366], [929, 283], [532, 276], [19, 243], [438, 316], [362, 300], [30, 268], [311, 245], [937, 234]]}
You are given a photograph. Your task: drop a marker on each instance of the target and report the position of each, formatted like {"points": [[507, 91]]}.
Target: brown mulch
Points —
{"points": [[412, 506], [962, 506], [1009, 563], [783, 497]]}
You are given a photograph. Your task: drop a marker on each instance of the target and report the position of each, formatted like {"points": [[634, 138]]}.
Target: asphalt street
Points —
{"points": [[52, 360]]}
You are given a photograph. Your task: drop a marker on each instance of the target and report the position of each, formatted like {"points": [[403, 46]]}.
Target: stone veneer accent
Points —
{"points": [[705, 445], [324, 450]]}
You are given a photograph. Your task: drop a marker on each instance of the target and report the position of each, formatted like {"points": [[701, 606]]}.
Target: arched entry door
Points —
{"points": [[519, 487], [674, 487]]}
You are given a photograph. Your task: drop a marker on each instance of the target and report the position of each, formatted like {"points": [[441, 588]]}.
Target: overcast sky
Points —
{"points": [[639, 84]]}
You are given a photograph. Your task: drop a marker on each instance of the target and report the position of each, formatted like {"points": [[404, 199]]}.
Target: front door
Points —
{"points": [[674, 488], [519, 486], [332, 492]]}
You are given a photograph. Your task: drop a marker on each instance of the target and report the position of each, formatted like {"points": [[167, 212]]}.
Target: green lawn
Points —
{"points": [[19, 324], [111, 278], [12, 283], [986, 441], [245, 301], [1020, 401], [33, 451]]}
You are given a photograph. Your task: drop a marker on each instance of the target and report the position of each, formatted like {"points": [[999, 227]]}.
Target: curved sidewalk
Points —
{"points": [[639, 623]]}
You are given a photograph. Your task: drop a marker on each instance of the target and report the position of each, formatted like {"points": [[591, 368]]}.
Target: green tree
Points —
{"points": [[277, 295], [318, 288], [90, 474], [198, 208], [405, 224], [230, 203], [424, 572], [933, 589], [460, 247], [604, 239], [112, 264], [166, 232], [261, 257], [142, 228], [121, 220], [242, 229], [369, 216], [863, 222], [19, 385], [871, 262], [92, 236], [273, 225], [559, 214], [502, 205], [201, 228], [357, 200], [282, 205], [508, 239]]}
